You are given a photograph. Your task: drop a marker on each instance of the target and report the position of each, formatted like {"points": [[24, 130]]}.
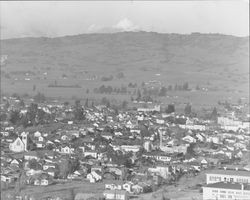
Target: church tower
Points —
{"points": [[24, 136]]}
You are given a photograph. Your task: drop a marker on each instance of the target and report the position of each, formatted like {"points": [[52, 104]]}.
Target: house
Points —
{"points": [[37, 134], [115, 194], [147, 146], [200, 137], [161, 170], [189, 139], [226, 191], [137, 189], [67, 150], [90, 153], [128, 186], [130, 125], [107, 135], [94, 176], [128, 148], [113, 185], [15, 162], [97, 168], [51, 171], [42, 180], [31, 155]]}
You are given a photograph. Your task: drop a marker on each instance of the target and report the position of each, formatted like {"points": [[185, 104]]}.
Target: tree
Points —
{"points": [[39, 98], [21, 103], [120, 75], [3, 117], [176, 87], [170, 108], [188, 109], [105, 102], [7, 105], [33, 164], [163, 91], [239, 101], [16, 96], [14, 116], [124, 104], [64, 168], [40, 116], [32, 113], [138, 95], [66, 103], [86, 103], [170, 87], [78, 111], [185, 86], [214, 114], [34, 87]]}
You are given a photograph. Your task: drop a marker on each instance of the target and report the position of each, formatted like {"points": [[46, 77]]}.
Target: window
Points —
{"points": [[230, 196], [222, 196], [215, 191]]}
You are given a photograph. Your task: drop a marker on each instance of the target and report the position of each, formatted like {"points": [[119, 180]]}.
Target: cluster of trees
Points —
{"points": [[122, 105], [170, 108], [142, 97], [33, 116], [78, 111], [39, 98], [184, 87], [63, 168], [132, 85], [104, 78], [120, 75], [109, 90]]}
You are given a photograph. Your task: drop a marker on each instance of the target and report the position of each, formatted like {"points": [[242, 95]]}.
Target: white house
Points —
{"points": [[189, 139], [115, 194], [67, 150]]}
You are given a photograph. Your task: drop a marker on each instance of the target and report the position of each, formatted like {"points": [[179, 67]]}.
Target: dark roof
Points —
{"points": [[228, 185], [230, 172]]}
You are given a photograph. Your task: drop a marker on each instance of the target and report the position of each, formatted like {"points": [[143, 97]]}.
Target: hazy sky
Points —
{"points": [[58, 18]]}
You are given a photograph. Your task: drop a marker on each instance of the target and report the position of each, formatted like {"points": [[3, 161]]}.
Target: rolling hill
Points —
{"points": [[220, 62]]}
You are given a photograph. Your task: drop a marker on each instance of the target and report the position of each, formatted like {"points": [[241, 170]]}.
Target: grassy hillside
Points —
{"points": [[214, 61]]}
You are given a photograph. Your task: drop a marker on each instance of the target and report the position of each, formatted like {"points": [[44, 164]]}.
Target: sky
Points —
{"points": [[59, 18]]}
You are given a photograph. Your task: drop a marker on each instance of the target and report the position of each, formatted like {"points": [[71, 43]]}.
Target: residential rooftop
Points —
{"points": [[230, 172], [228, 185]]}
